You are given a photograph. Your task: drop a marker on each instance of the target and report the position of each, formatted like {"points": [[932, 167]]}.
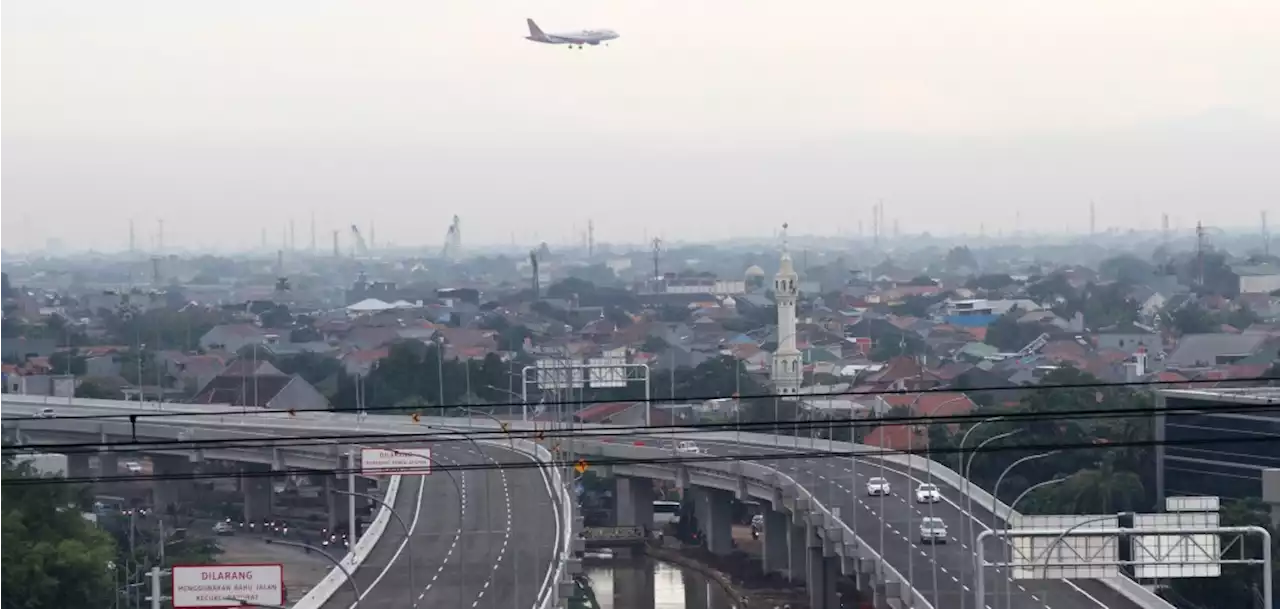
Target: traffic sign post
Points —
{"points": [[395, 462], [224, 586]]}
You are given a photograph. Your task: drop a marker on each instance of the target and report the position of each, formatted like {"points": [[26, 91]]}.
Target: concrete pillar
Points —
{"points": [[333, 507], [697, 596], [257, 494], [797, 546], [714, 509], [816, 579], [78, 466], [633, 502], [108, 464], [171, 492], [1271, 493], [775, 542], [633, 588], [830, 577]]}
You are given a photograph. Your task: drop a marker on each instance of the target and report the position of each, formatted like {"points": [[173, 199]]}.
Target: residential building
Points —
{"points": [[1214, 350], [232, 337], [1221, 448], [1258, 278]]}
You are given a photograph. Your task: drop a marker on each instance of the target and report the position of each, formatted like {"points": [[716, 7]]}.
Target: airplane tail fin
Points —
{"points": [[534, 30]]}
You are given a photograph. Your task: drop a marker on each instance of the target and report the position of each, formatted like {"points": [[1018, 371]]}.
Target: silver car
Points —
{"points": [[933, 530]]}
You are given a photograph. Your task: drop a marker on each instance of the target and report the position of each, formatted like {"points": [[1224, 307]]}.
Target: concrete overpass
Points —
{"points": [[811, 505], [471, 546]]}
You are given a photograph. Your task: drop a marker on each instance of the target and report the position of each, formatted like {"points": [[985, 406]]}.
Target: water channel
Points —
{"points": [[644, 583]]}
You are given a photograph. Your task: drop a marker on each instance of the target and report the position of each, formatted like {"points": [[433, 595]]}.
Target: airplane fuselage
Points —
{"points": [[591, 37]]}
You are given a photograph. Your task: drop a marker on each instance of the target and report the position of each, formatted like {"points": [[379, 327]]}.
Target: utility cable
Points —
{"points": [[664, 460], [446, 434], [401, 408]]}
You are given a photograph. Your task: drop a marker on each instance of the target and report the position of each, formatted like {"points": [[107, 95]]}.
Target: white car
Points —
{"points": [[928, 493], [687, 446], [933, 530], [46, 413], [133, 466], [878, 486]]}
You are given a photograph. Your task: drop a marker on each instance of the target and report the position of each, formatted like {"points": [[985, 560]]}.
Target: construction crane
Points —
{"points": [[533, 262], [361, 248], [452, 240]]}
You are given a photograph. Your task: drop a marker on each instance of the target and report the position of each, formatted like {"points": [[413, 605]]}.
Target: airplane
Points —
{"points": [[591, 37]]}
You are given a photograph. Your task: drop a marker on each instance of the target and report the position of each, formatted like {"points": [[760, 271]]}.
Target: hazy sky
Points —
{"points": [[707, 119]]}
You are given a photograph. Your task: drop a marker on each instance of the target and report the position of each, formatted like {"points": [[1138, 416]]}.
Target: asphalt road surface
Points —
{"points": [[890, 526], [484, 543]]}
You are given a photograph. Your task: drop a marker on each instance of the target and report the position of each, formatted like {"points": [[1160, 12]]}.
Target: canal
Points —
{"points": [[644, 583]]}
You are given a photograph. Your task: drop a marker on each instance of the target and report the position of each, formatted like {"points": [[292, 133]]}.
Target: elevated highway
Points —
{"points": [[478, 538], [813, 499]]}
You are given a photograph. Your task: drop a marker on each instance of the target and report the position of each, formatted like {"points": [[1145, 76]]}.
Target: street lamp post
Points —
{"points": [[1008, 583], [408, 535], [995, 492], [928, 469], [461, 502], [967, 523], [306, 546]]}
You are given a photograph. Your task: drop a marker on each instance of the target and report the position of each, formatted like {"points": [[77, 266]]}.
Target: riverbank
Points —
{"points": [[740, 577]]}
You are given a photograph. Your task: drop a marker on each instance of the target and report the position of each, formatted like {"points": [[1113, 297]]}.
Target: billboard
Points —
{"points": [[227, 585], [1188, 555], [607, 371], [558, 374], [398, 462], [1079, 556]]}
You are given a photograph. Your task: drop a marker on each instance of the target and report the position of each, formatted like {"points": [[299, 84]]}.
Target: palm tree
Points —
{"points": [[1103, 489]]}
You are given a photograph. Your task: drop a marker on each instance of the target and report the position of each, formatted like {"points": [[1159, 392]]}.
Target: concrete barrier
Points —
{"points": [[336, 579]]}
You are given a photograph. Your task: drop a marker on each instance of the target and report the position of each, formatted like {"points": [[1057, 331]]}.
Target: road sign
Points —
{"points": [[607, 372], [581, 466], [204, 586], [1182, 555], [398, 462], [1077, 557], [558, 374]]}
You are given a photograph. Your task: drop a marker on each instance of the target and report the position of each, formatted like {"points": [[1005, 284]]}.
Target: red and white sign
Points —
{"points": [[398, 462], [207, 586]]}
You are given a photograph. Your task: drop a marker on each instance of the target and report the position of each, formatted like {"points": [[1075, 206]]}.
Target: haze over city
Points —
{"points": [[704, 121], [606, 304]]}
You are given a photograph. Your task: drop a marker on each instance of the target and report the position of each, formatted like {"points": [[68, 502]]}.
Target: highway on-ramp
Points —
{"points": [[941, 571], [486, 542]]}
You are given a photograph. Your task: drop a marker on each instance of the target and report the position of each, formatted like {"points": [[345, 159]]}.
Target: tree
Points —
{"points": [[96, 390], [54, 558], [1101, 490], [993, 281], [655, 344], [1006, 334], [1190, 319]]}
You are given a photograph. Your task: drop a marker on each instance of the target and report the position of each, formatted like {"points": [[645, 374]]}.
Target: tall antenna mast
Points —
{"points": [[132, 238], [591, 238], [1093, 227], [336, 251], [657, 252], [1199, 253], [160, 235], [1164, 229], [1266, 236], [293, 242]]}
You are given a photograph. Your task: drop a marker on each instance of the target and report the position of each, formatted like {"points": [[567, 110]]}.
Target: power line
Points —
{"points": [[446, 433], [656, 400], [671, 460]]}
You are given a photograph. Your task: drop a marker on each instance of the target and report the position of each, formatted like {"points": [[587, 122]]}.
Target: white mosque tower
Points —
{"points": [[786, 358]]}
